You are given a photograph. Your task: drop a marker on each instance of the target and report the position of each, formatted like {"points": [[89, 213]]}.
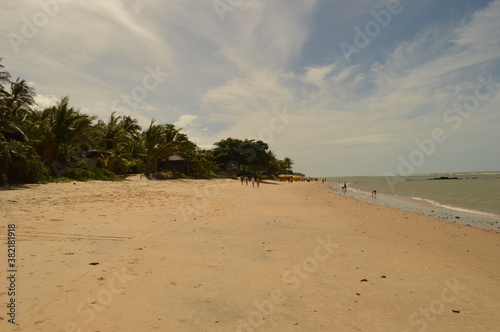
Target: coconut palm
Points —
{"points": [[128, 153], [61, 130], [16, 103], [159, 142], [14, 107], [20, 163], [112, 133], [120, 136], [131, 127], [4, 78]]}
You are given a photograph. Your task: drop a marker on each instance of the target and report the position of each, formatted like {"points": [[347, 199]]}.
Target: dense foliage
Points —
{"points": [[249, 156], [61, 142]]}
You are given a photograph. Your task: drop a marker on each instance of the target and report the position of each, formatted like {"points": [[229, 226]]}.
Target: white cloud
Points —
{"points": [[185, 121], [357, 140], [227, 77], [45, 101]]}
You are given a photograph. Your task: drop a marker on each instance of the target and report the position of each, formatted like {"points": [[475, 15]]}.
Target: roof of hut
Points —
{"points": [[176, 157]]}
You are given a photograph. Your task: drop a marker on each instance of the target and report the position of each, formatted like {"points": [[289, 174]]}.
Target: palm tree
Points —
{"points": [[112, 133], [20, 163], [61, 130], [19, 100], [4, 78], [120, 136], [128, 154], [159, 142], [14, 107], [131, 127]]}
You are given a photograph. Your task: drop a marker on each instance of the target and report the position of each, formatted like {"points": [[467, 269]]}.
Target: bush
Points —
{"points": [[179, 175], [225, 176], [94, 173], [20, 164]]}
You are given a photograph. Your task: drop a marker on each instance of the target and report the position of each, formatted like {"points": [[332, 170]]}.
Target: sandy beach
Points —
{"points": [[213, 255]]}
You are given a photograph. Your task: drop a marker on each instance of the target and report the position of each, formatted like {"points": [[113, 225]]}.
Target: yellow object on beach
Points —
{"points": [[285, 177]]}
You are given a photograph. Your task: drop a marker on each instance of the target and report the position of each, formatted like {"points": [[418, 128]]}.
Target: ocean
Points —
{"points": [[471, 199]]}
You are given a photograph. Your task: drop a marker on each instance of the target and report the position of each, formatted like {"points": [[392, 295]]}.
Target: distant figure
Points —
{"points": [[253, 181], [258, 182], [242, 178], [246, 180], [344, 187], [374, 193]]}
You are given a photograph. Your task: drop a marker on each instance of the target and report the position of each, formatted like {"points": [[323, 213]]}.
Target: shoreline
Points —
{"points": [[451, 214], [213, 255]]}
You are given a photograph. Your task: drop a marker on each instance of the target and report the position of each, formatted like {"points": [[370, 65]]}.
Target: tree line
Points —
{"points": [[61, 142]]}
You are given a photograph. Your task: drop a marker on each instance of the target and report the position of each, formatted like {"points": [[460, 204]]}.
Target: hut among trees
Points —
{"points": [[179, 164]]}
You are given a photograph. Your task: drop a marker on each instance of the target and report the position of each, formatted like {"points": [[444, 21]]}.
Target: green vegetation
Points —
{"points": [[20, 164], [94, 173], [249, 157], [60, 143]]}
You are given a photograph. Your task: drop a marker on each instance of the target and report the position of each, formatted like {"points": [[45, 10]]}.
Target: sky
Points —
{"points": [[342, 87]]}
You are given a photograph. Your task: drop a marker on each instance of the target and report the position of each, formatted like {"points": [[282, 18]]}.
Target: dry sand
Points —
{"points": [[218, 256]]}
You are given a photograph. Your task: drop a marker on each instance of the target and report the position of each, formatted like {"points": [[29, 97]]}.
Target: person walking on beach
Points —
{"points": [[253, 181], [246, 180], [258, 182], [242, 178]]}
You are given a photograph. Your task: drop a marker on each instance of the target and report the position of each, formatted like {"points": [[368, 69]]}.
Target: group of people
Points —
{"points": [[344, 189], [315, 179], [254, 180]]}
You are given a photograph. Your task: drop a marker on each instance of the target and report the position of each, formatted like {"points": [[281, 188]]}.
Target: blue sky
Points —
{"points": [[410, 99]]}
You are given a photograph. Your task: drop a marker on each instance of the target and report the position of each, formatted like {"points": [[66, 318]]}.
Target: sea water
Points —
{"points": [[465, 198]]}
